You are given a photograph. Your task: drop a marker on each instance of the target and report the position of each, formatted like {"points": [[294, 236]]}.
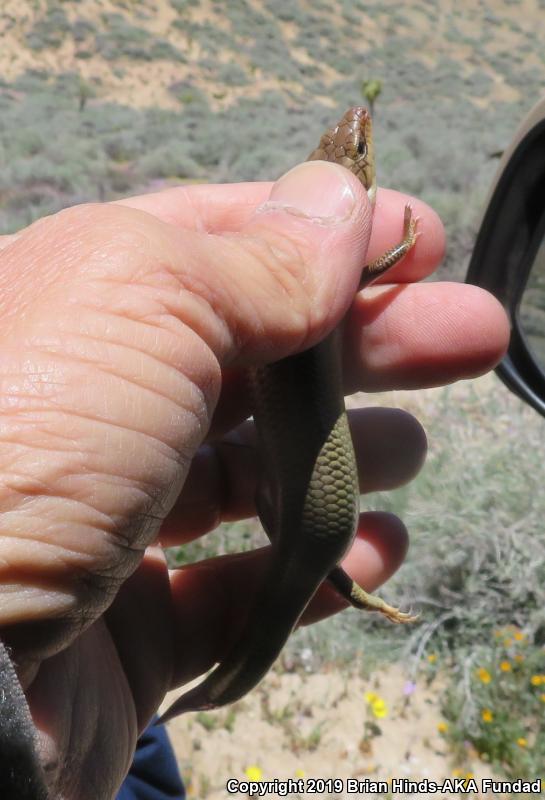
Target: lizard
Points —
{"points": [[308, 496]]}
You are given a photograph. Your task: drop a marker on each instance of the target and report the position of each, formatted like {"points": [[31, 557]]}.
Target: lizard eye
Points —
{"points": [[362, 147]]}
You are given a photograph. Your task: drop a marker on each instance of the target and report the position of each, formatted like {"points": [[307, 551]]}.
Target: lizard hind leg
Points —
{"points": [[393, 256], [359, 598]]}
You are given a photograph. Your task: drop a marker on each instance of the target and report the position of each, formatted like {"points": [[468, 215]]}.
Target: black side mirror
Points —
{"points": [[509, 256]]}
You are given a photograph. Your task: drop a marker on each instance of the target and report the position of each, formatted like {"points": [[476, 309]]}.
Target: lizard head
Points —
{"points": [[350, 143]]}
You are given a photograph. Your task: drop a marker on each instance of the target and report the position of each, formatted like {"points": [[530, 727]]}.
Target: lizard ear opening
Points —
{"points": [[509, 256]]}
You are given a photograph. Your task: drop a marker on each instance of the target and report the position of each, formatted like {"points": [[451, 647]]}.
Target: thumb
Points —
{"points": [[295, 265]]}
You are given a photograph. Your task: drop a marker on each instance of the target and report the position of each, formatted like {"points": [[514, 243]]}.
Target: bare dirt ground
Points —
{"points": [[319, 726]]}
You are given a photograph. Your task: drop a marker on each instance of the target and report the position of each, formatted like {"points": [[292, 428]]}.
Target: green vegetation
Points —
{"points": [[183, 5], [497, 703], [49, 30], [119, 38], [370, 90], [114, 37]]}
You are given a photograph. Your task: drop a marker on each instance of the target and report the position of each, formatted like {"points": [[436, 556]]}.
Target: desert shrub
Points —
{"points": [[49, 30], [120, 38], [232, 75], [82, 29], [169, 160]]}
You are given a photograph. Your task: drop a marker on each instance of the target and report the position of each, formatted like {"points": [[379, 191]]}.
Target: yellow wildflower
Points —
{"points": [[519, 636], [484, 675], [487, 715], [442, 727], [300, 773], [542, 698], [370, 697], [536, 680], [253, 773], [505, 666], [379, 708], [467, 777], [432, 658], [522, 742]]}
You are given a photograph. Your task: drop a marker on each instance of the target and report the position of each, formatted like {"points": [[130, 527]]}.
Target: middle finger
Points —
{"points": [[390, 447]]}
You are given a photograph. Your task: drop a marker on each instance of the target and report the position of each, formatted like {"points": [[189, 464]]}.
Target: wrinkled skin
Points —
{"points": [[124, 330]]}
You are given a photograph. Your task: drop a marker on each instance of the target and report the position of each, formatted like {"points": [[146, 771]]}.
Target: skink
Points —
{"points": [[308, 500]]}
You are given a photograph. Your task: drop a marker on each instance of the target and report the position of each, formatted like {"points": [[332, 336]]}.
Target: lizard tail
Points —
{"points": [[284, 597]]}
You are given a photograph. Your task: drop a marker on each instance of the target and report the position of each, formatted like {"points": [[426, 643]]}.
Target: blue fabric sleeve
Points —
{"points": [[154, 773]]}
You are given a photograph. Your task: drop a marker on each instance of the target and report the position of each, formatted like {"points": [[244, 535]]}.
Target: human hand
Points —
{"points": [[125, 331]]}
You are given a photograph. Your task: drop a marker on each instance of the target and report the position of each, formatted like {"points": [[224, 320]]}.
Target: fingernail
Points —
{"points": [[314, 189]]}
